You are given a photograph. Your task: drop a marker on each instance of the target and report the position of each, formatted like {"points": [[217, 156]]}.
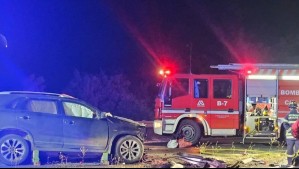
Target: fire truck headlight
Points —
{"points": [[246, 129], [158, 124]]}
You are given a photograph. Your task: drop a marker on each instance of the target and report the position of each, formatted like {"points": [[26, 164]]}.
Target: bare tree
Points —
{"points": [[34, 83], [109, 93]]}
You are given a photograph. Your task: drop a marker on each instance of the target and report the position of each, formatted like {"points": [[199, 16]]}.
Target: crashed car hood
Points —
{"points": [[129, 121]]}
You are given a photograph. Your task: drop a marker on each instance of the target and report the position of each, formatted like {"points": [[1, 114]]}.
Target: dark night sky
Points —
{"points": [[52, 38]]}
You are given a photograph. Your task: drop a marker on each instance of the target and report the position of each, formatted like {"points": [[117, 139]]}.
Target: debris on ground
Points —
{"points": [[172, 144], [236, 165], [184, 144], [176, 165], [197, 161], [248, 160], [274, 165], [259, 161]]}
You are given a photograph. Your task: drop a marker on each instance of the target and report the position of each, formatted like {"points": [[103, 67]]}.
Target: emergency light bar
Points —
{"points": [[165, 72]]}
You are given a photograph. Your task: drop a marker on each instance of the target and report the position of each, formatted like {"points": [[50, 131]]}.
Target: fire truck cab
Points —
{"points": [[250, 102]]}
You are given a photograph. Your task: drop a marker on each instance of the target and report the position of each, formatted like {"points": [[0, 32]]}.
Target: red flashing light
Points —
{"points": [[165, 73], [161, 72]]}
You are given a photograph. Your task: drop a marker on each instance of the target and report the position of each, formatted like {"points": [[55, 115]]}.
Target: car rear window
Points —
{"points": [[42, 106], [9, 101]]}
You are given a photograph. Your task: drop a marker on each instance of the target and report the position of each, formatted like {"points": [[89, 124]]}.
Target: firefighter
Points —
{"points": [[292, 143]]}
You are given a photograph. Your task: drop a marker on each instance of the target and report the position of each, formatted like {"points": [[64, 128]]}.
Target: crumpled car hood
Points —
{"points": [[129, 121]]}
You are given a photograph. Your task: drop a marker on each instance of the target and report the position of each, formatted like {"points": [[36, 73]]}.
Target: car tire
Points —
{"points": [[190, 131], [129, 149], [14, 150]]}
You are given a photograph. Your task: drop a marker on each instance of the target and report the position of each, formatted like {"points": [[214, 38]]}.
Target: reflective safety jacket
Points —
{"points": [[288, 121]]}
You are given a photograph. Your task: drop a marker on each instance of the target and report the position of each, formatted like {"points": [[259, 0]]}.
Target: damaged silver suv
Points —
{"points": [[53, 122]]}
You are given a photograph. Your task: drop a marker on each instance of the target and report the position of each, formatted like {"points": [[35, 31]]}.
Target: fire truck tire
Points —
{"points": [[190, 131]]}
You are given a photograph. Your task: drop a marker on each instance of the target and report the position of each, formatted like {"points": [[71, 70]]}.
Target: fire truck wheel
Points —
{"points": [[190, 131]]}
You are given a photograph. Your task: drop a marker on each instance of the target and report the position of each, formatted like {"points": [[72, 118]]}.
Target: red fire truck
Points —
{"points": [[248, 102]]}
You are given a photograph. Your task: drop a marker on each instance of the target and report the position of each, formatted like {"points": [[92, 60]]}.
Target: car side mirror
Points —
{"points": [[95, 115], [106, 114]]}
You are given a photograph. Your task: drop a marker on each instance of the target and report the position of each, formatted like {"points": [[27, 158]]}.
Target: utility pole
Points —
{"points": [[190, 46]]}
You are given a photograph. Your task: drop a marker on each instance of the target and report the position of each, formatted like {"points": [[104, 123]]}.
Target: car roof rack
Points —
{"points": [[38, 93]]}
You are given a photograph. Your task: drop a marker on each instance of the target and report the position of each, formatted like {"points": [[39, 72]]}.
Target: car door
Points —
{"points": [[82, 129], [40, 117]]}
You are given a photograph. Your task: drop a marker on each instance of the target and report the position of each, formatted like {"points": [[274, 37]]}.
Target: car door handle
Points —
{"points": [[25, 117], [69, 122]]}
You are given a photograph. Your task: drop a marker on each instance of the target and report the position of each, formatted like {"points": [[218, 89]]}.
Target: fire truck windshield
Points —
{"points": [[174, 88], [161, 87]]}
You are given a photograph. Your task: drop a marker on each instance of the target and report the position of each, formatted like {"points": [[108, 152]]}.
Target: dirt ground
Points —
{"points": [[158, 156], [229, 150]]}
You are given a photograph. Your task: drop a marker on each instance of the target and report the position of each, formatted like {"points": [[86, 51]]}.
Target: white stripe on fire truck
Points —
{"points": [[288, 72], [285, 72], [261, 72], [274, 72], [265, 72], [198, 112], [269, 72]]}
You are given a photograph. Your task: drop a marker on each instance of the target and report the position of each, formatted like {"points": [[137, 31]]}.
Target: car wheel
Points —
{"points": [[13, 150], [129, 149], [190, 131]]}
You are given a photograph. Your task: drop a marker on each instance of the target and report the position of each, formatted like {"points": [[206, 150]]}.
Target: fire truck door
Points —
{"points": [[201, 99], [224, 111], [177, 98]]}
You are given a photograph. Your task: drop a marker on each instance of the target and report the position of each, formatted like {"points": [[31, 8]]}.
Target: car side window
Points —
{"points": [[77, 110], [41, 106]]}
